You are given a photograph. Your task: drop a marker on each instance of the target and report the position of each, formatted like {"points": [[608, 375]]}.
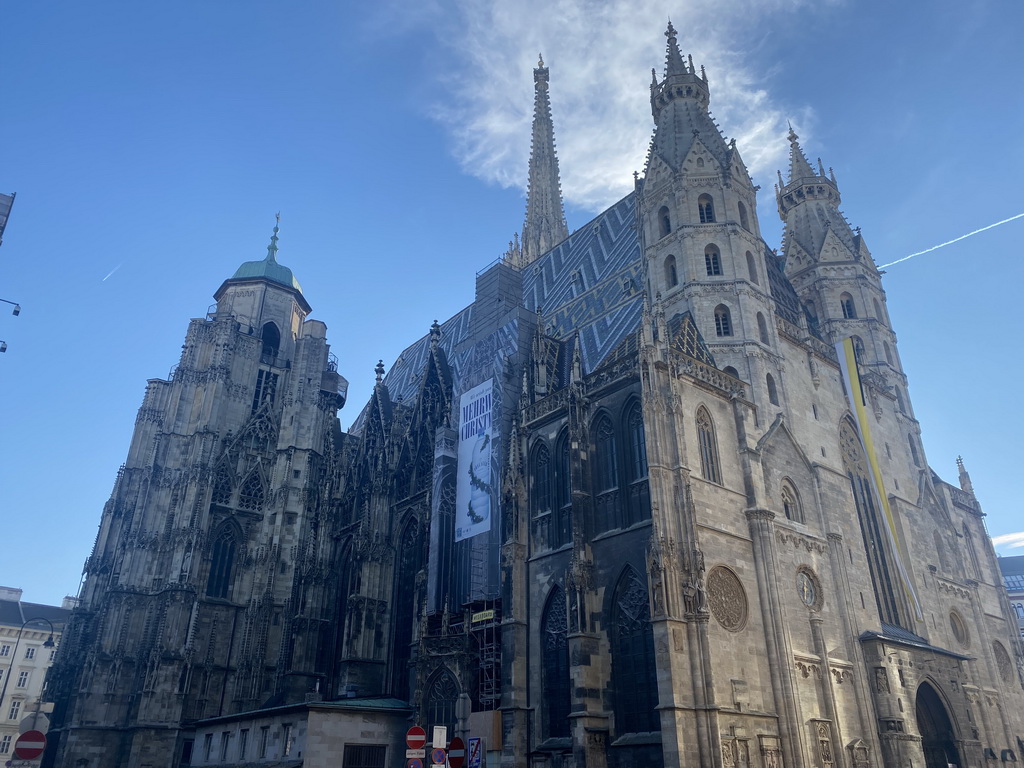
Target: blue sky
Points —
{"points": [[151, 144]]}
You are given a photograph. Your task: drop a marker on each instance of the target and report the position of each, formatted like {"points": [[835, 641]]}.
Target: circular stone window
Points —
{"points": [[809, 588], [1003, 661], [726, 598], [956, 623]]}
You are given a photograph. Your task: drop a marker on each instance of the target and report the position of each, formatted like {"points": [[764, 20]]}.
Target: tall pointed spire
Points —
{"points": [[272, 248], [799, 168], [544, 226]]}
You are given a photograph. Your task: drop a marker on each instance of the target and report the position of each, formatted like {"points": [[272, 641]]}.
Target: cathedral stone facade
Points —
{"points": [[656, 497]]}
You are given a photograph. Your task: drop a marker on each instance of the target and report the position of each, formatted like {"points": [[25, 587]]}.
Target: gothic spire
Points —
{"points": [[544, 226], [674, 64], [799, 168]]}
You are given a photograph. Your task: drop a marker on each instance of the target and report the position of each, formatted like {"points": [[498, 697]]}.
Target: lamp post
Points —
{"points": [[17, 307], [14, 657]]}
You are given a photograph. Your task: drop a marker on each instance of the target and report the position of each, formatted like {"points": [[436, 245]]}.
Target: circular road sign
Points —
{"points": [[456, 753], [437, 755], [415, 763], [415, 738], [29, 745]]}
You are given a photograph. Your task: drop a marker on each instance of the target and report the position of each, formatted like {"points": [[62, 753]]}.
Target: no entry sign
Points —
{"points": [[456, 753], [415, 738], [30, 745]]}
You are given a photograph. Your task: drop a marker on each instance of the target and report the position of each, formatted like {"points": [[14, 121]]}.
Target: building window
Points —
{"points": [[556, 681], [634, 675], [791, 502], [562, 486], [23, 677], [773, 392], [708, 445], [878, 310], [251, 494], [288, 740], [53, 654], [1018, 608], [858, 349], [30, 653], [671, 276], [913, 450], [222, 562], [541, 480], [5, 744], [723, 321], [605, 458], [264, 738], [762, 328], [888, 352], [442, 696], [713, 261], [207, 746], [744, 221], [271, 338], [5, 650], [637, 443], [225, 739], [752, 269], [849, 309], [706, 209], [14, 711], [664, 221], [364, 756], [243, 743]]}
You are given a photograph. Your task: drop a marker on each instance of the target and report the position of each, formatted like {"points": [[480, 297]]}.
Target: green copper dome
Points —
{"points": [[268, 268]]}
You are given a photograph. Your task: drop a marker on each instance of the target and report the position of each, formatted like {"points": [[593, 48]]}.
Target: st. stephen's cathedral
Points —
{"points": [[655, 497]]}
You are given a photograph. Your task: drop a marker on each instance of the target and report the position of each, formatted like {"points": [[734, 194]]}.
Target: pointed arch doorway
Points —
{"points": [[938, 737]]}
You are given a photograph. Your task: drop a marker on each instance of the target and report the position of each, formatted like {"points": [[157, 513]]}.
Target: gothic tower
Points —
{"points": [[544, 226], [204, 591]]}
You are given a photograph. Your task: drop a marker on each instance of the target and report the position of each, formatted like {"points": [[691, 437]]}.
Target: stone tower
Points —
{"points": [[203, 593]]}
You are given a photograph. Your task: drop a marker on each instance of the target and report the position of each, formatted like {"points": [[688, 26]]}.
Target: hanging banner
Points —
{"points": [[855, 396], [476, 439]]}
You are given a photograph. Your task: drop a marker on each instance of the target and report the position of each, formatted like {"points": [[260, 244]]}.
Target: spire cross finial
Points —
{"points": [[272, 248], [379, 370], [540, 61]]}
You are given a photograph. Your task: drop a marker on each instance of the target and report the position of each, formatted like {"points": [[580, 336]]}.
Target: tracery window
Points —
{"points": [[222, 561], [634, 674], [541, 466], [712, 260], [849, 308], [706, 209], [637, 443], [888, 352], [555, 682], [762, 328], [883, 574], [251, 494], [708, 447], [562, 488], [671, 275], [664, 221], [266, 389], [221, 485], [605, 449], [773, 392], [723, 321], [442, 695], [409, 564], [744, 221]]}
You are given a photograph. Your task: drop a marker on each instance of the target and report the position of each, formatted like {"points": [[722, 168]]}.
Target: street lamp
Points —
{"points": [[17, 307], [3, 346], [14, 657]]}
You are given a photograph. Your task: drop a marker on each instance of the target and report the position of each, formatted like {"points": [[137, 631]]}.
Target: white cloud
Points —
{"points": [[1009, 540], [600, 55]]}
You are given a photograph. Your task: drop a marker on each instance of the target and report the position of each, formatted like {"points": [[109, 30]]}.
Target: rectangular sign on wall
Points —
{"points": [[474, 488]]}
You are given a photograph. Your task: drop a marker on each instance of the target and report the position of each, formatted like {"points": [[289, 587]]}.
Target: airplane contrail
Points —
{"points": [[119, 266], [950, 242]]}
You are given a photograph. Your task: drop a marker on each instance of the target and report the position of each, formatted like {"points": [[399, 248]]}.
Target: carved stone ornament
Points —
{"points": [[726, 598], [809, 588], [959, 628]]}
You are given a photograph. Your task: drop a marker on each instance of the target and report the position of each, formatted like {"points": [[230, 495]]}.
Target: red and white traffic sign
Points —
{"points": [[30, 745], [416, 738], [456, 753]]}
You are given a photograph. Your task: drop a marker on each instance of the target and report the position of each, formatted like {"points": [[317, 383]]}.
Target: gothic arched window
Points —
{"points": [[752, 268], [271, 338], [671, 275], [251, 494], [562, 490], [541, 473], [773, 392], [744, 221], [762, 328], [888, 352], [878, 310], [405, 618], [222, 561], [708, 445], [634, 674], [791, 502], [637, 445], [913, 450], [221, 484], [849, 308], [723, 321], [664, 221], [442, 696], [858, 349], [713, 260], [555, 682], [884, 577], [706, 209], [606, 462]]}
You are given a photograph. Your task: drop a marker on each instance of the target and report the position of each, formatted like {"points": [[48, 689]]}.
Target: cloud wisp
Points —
{"points": [[600, 56], [1009, 540]]}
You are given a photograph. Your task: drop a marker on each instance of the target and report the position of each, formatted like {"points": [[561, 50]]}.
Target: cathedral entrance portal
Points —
{"points": [[938, 739]]}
